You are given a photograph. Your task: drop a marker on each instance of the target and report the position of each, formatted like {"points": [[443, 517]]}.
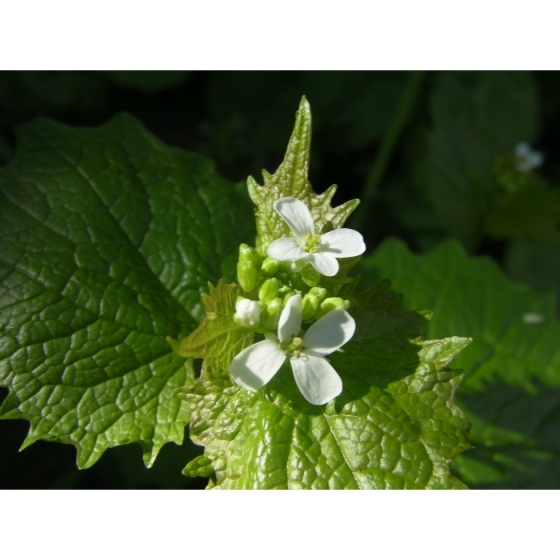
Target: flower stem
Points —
{"points": [[400, 117]]}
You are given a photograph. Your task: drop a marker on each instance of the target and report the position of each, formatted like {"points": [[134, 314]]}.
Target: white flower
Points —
{"points": [[318, 381], [247, 312], [526, 157], [320, 250]]}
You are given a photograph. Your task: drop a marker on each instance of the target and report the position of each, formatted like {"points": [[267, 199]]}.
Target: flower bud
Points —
{"points": [[283, 290], [328, 305], [321, 293], [248, 254], [310, 276], [288, 296], [270, 267], [273, 310], [269, 290], [247, 275], [309, 306], [296, 281], [247, 313]]}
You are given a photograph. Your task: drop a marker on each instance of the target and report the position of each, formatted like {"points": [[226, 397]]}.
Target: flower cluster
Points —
{"points": [[255, 366], [283, 292]]}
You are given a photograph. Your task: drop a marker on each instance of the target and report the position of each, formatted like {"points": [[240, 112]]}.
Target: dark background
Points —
{"points": [[369, 128]]}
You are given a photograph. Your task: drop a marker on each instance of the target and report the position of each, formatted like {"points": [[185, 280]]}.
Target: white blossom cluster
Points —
{"points": [[311, 255]]}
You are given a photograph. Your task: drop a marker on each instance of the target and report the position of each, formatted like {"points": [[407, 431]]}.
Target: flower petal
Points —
{"points": [[289, 323], [343, 243], [296, 214], [316, 378], [285, 249], [329, 333], [255, 366], [325, 263]]}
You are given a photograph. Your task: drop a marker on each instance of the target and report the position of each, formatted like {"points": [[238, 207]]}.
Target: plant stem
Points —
{"points": [[400, 117]]}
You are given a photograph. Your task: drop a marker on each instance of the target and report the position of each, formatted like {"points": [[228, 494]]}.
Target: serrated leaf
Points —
{"points": [[199, 466], [290, 179], [108, 238], [394, 425], [217, 339], [511, 390]]}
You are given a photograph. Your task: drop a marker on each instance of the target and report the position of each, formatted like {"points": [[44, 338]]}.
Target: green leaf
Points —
{"points": [[511, 390], [394, 425], [476, 117], [108, 238], [217, 339], [290, 179]]}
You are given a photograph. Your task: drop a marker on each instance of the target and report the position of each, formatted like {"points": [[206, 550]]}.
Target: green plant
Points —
{"points": [[141, 302], [110, 238]]}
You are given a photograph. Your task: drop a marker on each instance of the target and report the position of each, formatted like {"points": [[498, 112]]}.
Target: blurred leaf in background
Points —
{"points": [[47, 92], [511, 390], [536, 261], [476, 117]]}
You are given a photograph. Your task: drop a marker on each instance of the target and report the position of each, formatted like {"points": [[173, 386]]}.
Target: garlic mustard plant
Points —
{"points": [[117, 381], [317, 380], [307, 245]]}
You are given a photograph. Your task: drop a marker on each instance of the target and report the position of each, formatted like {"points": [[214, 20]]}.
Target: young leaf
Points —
{"points": [[108, 238], [511, 390], [217, 339], [290, 179], [394, 425]]}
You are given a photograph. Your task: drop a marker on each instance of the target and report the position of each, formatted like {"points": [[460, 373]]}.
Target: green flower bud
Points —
{"points": [[309, 306], [296, 281], [328, 305], [269, 290], [273, 310], [247, 275], [248, 254], [288, 296], [283, 276], [270, 267], [310, 276], [283, 290], [321, 293]]}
